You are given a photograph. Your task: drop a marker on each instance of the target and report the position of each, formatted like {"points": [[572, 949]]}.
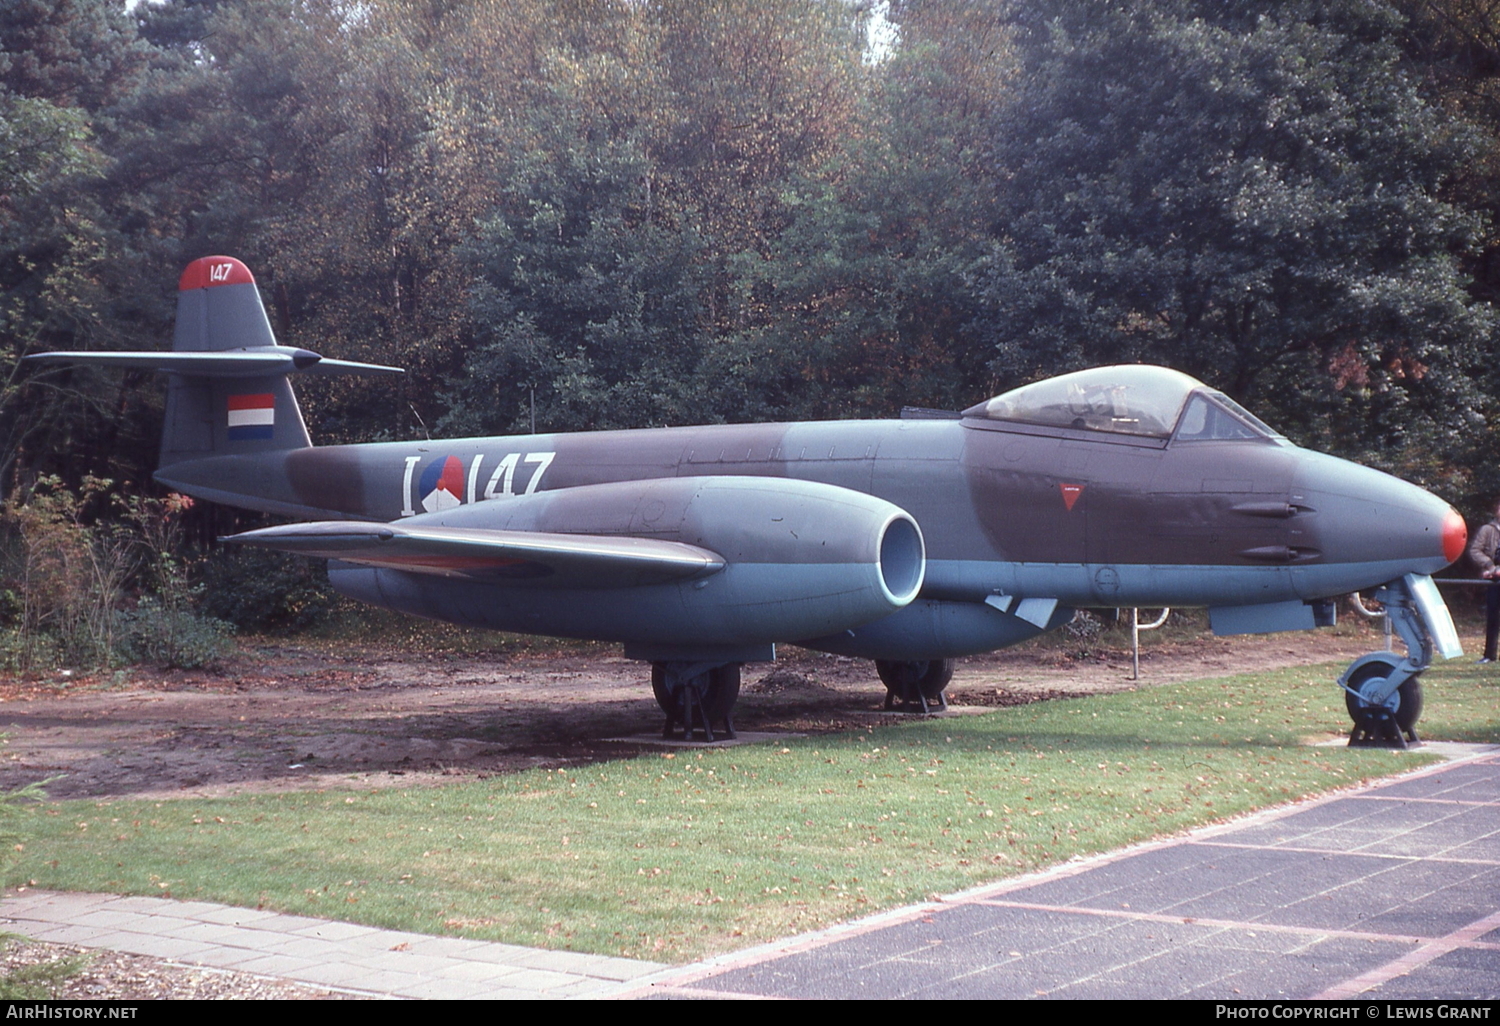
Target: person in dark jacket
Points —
{"points": [[1484, 550]]}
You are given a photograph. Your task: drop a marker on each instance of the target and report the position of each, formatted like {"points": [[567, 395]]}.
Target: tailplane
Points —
{"points": [[228, 392]]}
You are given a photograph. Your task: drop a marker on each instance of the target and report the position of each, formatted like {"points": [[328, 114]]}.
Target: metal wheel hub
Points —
{"points": [[1368, 689]]}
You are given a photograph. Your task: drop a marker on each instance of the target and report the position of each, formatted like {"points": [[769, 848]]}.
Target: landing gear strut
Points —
{"points": [[1382, 690], [695, 696], [915, 684]]}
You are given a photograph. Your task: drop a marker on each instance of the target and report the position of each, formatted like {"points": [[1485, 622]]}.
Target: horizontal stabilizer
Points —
{"points": [[226, 363], [595, 561]]}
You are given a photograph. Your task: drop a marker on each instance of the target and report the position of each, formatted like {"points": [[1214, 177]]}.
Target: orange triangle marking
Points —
{"points": [[1070, 494]]}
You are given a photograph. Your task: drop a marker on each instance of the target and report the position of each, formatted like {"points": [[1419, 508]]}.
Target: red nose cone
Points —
{"points": [[1455, 534]]}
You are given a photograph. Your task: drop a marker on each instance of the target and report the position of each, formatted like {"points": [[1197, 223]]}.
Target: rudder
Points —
{"points": [[219, 308]]}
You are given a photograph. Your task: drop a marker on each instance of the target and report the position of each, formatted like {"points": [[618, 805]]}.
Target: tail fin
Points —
{"points": [[228, 393], [219, 309]]}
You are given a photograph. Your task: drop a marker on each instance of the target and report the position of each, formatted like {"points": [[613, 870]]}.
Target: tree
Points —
{"points": [[861, 303], [644, 191], [588, 298], [1251, 195], [306, 141], [63, 65], [73, 53], [1453, 50]]}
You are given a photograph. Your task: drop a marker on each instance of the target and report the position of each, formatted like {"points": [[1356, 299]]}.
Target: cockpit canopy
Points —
{"points": [[1129, 399]]}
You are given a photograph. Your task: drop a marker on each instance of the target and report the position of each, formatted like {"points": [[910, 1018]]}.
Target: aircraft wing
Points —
{"points": [[598, 561]]}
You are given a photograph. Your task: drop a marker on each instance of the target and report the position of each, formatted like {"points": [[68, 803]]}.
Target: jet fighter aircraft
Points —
{"points": [[907, 541]]}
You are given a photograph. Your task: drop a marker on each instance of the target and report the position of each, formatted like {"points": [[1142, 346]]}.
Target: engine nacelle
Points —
{"points": [[802, 559]]}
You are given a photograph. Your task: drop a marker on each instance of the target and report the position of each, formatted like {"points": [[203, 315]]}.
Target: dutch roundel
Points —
{"points": [[442, 484]]}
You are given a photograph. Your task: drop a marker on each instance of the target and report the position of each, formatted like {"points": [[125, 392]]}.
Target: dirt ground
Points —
{"points": [[298, 716]]}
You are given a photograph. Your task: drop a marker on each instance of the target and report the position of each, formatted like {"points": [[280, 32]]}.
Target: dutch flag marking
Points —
{"points": [[252, 417]]}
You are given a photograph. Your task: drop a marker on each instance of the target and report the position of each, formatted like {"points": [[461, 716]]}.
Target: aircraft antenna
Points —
{"points": [[425, 433]]}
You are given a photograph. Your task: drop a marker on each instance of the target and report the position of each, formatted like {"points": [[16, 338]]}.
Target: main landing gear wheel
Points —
{"points": [[699, 702], [1394, 721], [915, 684]]}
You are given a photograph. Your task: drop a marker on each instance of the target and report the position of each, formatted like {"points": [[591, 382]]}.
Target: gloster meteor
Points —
{"points": [[908, 541]]}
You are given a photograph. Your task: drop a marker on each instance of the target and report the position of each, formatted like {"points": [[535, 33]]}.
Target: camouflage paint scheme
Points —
{"points": [[716, 542]]}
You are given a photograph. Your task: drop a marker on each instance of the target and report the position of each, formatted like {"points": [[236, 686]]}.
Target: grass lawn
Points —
{"points": [[681, 855]]}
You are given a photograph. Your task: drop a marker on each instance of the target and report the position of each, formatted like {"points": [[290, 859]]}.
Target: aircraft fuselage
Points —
{"points": [[1007, 509]]}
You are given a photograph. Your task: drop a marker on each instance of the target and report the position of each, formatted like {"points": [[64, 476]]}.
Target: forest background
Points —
{"points": [[626, 213]]}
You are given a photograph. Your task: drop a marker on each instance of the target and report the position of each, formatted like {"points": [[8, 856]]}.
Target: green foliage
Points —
{"points": [[586, 297], [180, 638], [165, 626], [70, 576], [63, 64], [81, 53], [617, 276], [1254, 197], [39, 142], [259, 590], [48, 245]]}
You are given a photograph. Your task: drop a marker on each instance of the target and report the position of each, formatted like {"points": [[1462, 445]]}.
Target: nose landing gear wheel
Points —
{"points": [[915, 684], [1392, 722]]}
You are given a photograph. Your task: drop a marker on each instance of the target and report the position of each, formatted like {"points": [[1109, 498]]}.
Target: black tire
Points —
{"points": [[723, 691], [1408, 696], [912, 680]]}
